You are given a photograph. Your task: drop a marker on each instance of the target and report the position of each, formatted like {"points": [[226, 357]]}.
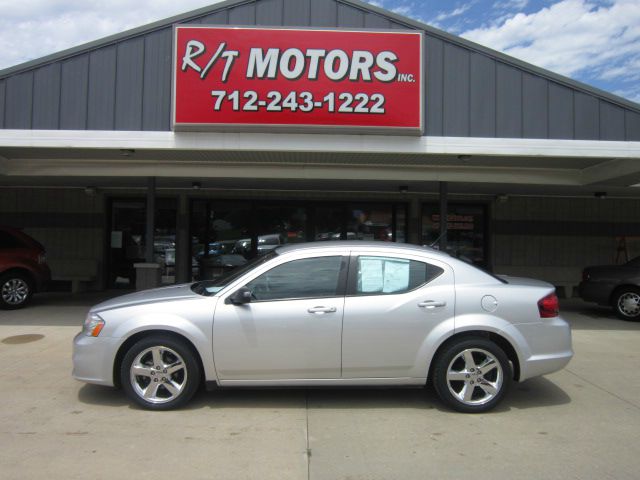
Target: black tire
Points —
{"points": [[155, 357], [484, 388], [16, 290], [626, 303]]}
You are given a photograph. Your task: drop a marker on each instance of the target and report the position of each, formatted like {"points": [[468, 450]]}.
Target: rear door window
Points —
{"points": [[389, 275]]}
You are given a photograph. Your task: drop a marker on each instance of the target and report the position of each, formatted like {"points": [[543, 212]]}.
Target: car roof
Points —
{"points": [[359, 244]]}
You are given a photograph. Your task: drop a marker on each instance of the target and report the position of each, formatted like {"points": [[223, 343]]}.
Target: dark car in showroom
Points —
{"points": [[614, 285], [23, 268]]}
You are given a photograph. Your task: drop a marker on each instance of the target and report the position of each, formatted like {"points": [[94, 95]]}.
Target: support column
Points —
{"points": [[444, 193], [415, 222], [148, 273], [151, 211], [183, 260]]}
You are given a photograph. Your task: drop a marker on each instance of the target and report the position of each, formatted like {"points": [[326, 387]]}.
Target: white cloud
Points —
{"points": [[454, 13], [34, 28], [570, 36]]}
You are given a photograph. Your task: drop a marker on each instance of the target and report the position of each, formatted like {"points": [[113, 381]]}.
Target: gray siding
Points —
{"points": [[46, 100], [157, 80], [632, 123], [508, 102], [482, 86], [611, 122], [434, 51], [296, 13], [324, 13], [2, 109], [560, 112], [535, 106], [102, 89], [126, 85], [455, 121], [73, 93], [269, 12], [586, 115], [243, 14], [19, 101], [129, 82], [349, 17]]}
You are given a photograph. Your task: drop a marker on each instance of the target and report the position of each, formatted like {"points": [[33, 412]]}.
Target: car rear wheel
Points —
{"points": [[160, 373], [627, 303], [472, 375], [15, 290]]}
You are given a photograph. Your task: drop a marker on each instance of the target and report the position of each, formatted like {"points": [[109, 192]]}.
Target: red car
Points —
{"points": [[23, 268]]}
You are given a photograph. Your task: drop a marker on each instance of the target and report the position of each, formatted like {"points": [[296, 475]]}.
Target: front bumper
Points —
{"points": [[93, 359]]}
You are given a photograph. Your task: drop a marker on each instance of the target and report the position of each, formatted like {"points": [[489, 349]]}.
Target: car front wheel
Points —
{"points": [[160, 373], [15, 290], [472, 375], [627, 303]]}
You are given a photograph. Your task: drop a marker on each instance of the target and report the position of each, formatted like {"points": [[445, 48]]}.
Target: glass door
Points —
{"points": [[127, 240]]}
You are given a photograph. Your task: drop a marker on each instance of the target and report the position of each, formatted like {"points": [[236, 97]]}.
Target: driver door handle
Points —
{"points": [[431, 304], [321, 310]]}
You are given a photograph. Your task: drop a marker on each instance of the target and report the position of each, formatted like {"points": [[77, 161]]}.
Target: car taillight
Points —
{"points": [[549, 306]]}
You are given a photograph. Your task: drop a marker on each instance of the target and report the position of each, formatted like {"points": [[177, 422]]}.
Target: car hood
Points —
{"points": [[164, 294]]}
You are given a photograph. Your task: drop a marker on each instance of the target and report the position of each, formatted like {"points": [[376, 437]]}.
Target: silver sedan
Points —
{"points": [[335, 313]]}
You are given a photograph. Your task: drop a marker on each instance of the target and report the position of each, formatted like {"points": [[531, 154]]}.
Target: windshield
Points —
{"points": [[211, 287]]}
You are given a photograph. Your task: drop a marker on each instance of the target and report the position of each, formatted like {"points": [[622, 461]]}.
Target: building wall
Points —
{"points": [[555, 238], [70, 224], [125, 84]]}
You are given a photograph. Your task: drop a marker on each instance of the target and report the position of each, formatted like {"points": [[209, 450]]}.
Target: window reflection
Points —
{"points": [[465, 231], [225, 234]]}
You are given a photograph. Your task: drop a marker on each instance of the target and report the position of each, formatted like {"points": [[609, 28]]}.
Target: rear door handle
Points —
{"points": [[431, 304], [321, 310]]}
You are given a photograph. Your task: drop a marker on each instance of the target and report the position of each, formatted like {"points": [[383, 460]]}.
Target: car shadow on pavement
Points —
{"points": [[534, 393], [589, 316]]}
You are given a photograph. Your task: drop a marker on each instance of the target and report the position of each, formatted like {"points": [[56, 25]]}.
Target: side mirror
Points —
{"points": [[240, 296]]}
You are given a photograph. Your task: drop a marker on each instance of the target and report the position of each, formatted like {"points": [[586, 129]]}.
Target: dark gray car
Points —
{"points": [[614, 285]]}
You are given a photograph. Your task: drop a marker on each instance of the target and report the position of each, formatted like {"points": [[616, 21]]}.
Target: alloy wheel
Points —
{"points": [[474, 376], [15, 291], [629, 304], [158, 374]]}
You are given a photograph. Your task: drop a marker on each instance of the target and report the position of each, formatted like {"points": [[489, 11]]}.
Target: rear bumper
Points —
{"points": [[548, 347], [595, 292]]}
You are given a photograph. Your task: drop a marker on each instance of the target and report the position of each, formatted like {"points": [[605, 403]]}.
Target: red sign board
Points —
{"points": [[260, 78]]}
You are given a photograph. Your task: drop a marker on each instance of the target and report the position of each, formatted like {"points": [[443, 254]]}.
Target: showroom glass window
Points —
{"points": [[388, 275], [466, 231], [306, 278]]}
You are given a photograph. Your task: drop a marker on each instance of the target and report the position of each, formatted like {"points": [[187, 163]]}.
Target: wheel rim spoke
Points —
{"points": [[157, 357], [629, 304], [151, 391], [469, 360], [158, 385], [475, 376], [488, 365], [15, 291]]}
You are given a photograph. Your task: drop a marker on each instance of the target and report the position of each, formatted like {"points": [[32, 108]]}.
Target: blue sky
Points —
{"points": [[594, 41]]}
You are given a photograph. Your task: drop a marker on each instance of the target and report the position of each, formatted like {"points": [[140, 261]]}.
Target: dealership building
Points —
{"points": [[225, 131]]}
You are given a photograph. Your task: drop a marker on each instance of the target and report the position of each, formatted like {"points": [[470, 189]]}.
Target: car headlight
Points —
{"points": [[93, 325]]}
